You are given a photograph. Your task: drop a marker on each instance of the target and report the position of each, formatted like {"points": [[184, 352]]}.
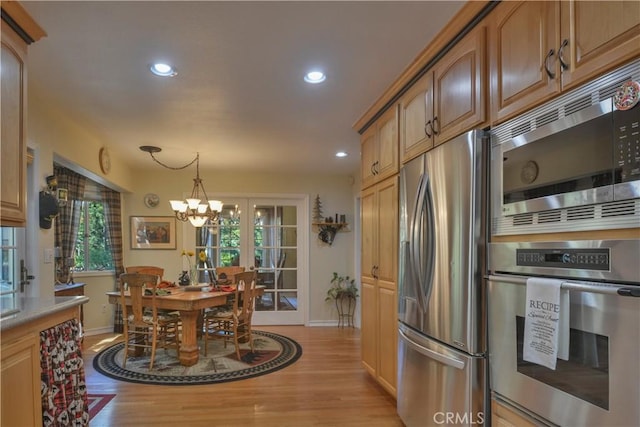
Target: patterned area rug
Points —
{"points": [[97, 402], [272, 352]]}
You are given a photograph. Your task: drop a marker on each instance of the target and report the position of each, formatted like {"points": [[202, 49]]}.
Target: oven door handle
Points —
{"points": [[592, 287]]}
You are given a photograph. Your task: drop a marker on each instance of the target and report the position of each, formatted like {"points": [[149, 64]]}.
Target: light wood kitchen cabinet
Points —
{"points": [[379, 280], [20, 373], [447, 100], [416, 111], [13, 195], [379, 145], [20, 370], [460, 88], [599, 36], [13, 110], [521, 35], [537, 49], [506, 416]]}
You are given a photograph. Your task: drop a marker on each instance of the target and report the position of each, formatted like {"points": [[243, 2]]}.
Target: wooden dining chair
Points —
{"points": [[228, 273], [235, 322], [145, 269], [145, 327]]}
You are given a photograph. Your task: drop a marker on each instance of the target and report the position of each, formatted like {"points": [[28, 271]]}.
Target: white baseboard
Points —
{"points": [[323, 323]]}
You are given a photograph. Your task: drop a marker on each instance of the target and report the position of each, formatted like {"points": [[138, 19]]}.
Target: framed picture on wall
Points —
{"points": [[153, 232]]}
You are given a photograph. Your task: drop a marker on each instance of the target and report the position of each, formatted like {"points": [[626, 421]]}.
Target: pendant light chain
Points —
{"points": [[193, 209]]}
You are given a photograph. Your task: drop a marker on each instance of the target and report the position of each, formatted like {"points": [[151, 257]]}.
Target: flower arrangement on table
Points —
{"points": [[189, 275]]}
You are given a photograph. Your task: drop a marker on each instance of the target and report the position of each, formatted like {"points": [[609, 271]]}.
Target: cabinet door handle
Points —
{"points": [[550, 73], [373, 168], [563, 64], [436, 125], [430, 126]]}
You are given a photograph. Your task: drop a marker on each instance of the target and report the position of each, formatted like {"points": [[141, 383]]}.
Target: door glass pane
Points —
{"points": [[220, 241], [9, 275], [287, 301], [275, 244]]}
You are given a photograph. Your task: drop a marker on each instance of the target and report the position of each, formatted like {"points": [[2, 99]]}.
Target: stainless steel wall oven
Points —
{"points": [[599, 383]]}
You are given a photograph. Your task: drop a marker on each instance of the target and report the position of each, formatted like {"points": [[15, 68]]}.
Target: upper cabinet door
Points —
{"points": [[523, 43], [13, 190], [596, 37], [368, 149], [416, 109], [387, 126], [379, 146], [460, 88]]}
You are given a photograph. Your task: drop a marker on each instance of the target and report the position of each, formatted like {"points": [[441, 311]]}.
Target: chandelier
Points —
{"points": [[196, 209]]}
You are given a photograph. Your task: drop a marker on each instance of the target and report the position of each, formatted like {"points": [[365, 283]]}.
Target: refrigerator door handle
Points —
{"points": [[444, 359], [426, 281], [415, 249]]}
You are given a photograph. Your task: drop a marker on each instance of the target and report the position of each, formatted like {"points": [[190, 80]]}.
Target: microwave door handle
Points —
{"points": [[439, 357]]}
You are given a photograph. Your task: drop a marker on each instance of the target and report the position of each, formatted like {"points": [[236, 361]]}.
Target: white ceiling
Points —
{"points": [[239, 97]]}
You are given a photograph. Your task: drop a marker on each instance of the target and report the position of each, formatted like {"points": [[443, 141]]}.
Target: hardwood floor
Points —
{"points": [[327, 386]]}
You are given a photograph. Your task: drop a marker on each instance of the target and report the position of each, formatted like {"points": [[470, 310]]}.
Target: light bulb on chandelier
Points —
{"points": [[195, 209]]}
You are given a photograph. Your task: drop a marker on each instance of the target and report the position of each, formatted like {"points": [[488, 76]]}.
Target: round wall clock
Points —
{"points": [[529, 172], [105, 160], [151, 200]]}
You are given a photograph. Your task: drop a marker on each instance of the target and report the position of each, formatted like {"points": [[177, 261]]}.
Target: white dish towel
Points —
{"points": [[546, 325]]}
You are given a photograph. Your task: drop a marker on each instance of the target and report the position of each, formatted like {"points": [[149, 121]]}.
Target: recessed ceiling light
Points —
{"points": [[315, 77], [341, 154], [163, 70]]}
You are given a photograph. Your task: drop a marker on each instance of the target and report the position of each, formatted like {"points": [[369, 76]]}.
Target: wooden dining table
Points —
{"points": [[190, 304]]}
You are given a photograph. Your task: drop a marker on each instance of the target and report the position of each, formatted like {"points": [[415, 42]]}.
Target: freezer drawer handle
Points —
{"points": [[450, 361]]}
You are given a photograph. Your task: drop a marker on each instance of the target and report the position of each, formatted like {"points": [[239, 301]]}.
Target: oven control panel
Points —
{"points": [[586, 259]]}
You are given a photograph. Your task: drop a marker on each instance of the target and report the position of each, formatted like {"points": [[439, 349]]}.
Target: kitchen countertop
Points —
{"points": [[36, 308], [64, 286]]}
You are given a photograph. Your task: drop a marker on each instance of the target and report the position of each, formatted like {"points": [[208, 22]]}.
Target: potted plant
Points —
{"points": [[343, 292]]}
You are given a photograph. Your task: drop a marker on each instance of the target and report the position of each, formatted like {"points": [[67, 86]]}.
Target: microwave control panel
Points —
{"points": [[627, 143], [583, 259]]}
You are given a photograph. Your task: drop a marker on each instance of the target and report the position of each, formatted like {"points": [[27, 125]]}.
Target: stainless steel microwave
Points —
{"points": [[571, 164]]}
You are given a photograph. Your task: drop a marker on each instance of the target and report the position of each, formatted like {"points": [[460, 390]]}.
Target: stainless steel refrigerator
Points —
{"points": [[442, 369]]}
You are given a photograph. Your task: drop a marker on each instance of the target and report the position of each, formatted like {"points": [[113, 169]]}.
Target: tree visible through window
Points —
{"points": [[92, 246]]}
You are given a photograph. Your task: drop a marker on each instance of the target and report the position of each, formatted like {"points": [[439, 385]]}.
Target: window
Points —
{"points": [[92, 252], [9, 270]]}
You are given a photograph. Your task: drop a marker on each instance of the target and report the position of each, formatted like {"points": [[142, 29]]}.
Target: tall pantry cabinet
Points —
{"points": [[18, 31], [379, 214]]}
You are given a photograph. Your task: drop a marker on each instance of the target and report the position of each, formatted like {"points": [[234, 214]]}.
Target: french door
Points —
{"points": [[267, 235]]}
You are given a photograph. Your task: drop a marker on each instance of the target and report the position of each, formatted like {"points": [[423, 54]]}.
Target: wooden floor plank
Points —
{"points": [[327, 386]]}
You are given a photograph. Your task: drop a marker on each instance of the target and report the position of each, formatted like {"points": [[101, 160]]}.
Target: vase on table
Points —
{"points": [[193, 276]]}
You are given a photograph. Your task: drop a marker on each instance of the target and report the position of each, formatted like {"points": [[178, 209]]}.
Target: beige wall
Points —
{"points": [[51, 135]]}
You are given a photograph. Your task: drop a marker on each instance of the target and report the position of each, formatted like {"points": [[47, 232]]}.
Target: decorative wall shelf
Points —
{"points": [[327, 230], [327, 227]]}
